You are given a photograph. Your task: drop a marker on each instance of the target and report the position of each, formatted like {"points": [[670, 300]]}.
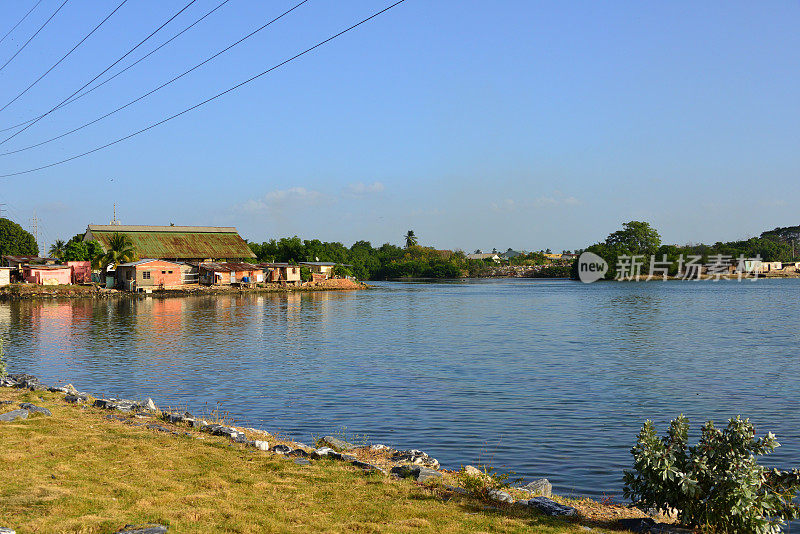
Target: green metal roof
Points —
{"points": [[180, 244]]}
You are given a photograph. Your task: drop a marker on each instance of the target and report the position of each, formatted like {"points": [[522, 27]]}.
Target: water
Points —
{"points": [[543, 377]]}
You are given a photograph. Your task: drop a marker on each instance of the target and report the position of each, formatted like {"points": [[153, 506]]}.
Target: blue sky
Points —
{"points": [[476, 124]]}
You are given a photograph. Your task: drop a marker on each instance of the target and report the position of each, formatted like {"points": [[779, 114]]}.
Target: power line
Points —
{"points": [[218, 95], [162, 45], [21, 20], [40, 117], [34, 35], [64, 56], [176, 78]]}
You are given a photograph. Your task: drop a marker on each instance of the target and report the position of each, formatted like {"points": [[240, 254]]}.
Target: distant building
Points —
{"points": [[48, 275], [225, 274], [322, 268], [16, 262], [148, 274], [281, 273], [510, 254], [488, 256], [176, 243]]}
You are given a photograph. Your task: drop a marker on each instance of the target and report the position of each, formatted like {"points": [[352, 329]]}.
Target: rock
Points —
{"points": [[370, 468], [69, 388], [347, 457], [380, 447], [337, 444], [636, 524], [301, 461], [4, 530], [539, 486], [4, 402], [298, 452], [37, 409], [282, 449], [420, 473], [326, 452], [75, 399], [159, 428], [501, 496], [197, 423], [173, 417], [13, 415], [416, 457], [460, 491], [150, 405], [551, 508], [143, 529], [473, 471], [25, 381], [666, 528], [261, 445]]}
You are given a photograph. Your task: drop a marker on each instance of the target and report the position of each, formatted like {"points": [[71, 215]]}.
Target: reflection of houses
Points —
{"points": [[230, 273], [281, 273], [176, 243], [47, 274], [148, 274]]}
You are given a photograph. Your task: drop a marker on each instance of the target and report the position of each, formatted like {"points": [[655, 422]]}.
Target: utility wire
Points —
{"points": [[34, 35], [20, 21], [71, 100], [159, 87], [126, 54], [64, 56], [204, 102]]}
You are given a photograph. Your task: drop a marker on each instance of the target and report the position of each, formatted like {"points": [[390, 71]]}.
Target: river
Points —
{"points": [[545, 378]]}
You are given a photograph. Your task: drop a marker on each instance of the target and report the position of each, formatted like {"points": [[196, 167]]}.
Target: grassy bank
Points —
{"points": [[83, 470]]}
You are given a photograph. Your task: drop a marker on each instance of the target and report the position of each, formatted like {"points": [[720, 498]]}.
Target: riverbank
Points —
{"points": [[35, 291], [93, 465]]}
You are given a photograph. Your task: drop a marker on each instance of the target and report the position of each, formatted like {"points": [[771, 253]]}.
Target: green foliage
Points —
{"points": [[411, 239], [57, 249], [340, 271], [305, 274], [15, 241], [636, 237], [120, 250], [479, 485], [715, 484]]}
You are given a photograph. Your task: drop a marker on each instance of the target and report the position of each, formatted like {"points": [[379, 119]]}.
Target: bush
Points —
{"points": [[305, 274], [481, 482], [718, 483]]}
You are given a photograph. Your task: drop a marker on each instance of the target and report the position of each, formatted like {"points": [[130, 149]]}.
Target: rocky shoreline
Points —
{"points": [[376, 459]]}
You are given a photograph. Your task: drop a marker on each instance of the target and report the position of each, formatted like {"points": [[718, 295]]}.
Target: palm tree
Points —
{"points": [[57, 249], [120, 250], [411, 239]]}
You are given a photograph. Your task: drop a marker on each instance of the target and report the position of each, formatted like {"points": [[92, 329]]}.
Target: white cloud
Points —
{"points": [[554, 200], [282, 199], [360, 188]]}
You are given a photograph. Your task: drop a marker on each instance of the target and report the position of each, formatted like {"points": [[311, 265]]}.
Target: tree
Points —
{"points": [[57, 249], [411, 239], [75, 251], [636, 237], [14, 241], [120, 250]]}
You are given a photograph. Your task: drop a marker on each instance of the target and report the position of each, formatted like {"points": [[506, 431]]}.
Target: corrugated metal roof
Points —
{"points": [[175, 242], [147, 228], [143, 261], [229, 267]]}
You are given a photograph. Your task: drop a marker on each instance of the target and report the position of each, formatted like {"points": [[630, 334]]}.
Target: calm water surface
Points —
{"points": [[545, 378]]}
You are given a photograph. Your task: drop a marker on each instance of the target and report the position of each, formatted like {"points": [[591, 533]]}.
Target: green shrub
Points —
{"points": [[483, 480], [305, 274], [716, 484]]}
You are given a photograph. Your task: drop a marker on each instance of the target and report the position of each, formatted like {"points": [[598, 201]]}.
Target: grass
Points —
{"points": [[78, 471]]}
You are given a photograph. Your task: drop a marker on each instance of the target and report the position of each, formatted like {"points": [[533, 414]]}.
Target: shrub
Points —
{"points": [[481, 482], [716, 484], [305, 274]]}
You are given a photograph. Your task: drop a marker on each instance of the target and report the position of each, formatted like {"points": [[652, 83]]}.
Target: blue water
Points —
{"points": [[541, 377]]}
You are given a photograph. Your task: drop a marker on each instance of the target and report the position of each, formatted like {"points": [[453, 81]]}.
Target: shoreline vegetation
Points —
{"points": [[79, 463]]}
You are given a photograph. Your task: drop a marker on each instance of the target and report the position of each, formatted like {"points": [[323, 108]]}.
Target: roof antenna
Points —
{"points": [[114, 221]]}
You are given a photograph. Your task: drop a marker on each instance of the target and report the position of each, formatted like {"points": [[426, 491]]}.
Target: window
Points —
{"points": [[170, 272], [145, 275], [163, 272]]}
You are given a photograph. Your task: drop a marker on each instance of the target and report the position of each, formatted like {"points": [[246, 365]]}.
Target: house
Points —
{"points": [[81, 271], [281, 273], [322, 268], [510, 254], [481, 256], [228, 273], [48, 275], [148, 274], [176, 243], [16, 262], [5, 276]]}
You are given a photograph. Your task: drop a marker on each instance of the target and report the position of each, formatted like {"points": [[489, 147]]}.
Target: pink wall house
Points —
{"points": [[47, 274], [81, 271]]}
